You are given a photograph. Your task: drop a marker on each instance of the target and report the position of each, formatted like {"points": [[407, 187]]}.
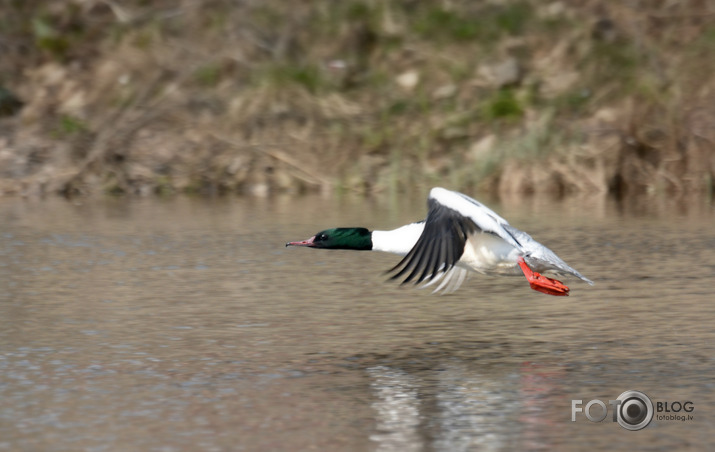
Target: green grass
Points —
{"points": [[208, 75], [306, 75], [485, 23], [68, 125], [48, 38], [502, 105]]}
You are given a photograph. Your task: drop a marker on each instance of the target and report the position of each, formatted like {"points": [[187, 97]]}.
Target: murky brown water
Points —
{"points": [[186, 325]]}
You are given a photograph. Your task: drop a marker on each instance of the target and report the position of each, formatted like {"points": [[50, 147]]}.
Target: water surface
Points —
{"points": [[185, 324]]}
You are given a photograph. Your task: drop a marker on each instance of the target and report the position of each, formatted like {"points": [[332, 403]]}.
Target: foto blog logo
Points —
{"points": [[633, 410]]}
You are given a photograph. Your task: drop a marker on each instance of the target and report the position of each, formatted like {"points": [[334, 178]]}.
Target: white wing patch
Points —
{"points": [[485, 218]]}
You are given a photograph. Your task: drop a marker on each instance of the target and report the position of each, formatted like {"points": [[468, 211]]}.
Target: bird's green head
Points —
{"points": [[339, 239]]}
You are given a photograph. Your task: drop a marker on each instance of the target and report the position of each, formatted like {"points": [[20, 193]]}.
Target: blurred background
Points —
{"points": [[245, 96], [151, 320]]}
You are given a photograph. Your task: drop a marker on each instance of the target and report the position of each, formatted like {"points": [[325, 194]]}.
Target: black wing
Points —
{"points": [[440, 246]]}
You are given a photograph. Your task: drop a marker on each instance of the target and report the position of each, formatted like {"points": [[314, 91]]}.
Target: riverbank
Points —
{"points": [[511, 97]]}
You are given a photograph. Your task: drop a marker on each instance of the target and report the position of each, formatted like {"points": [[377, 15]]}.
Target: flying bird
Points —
{"points": [[459, 235]]}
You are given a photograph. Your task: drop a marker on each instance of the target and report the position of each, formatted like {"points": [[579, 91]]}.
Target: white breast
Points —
{"points": [[489, 254]]}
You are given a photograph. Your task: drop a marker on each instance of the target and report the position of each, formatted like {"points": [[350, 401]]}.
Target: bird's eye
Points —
{"points": [[322, 237]]}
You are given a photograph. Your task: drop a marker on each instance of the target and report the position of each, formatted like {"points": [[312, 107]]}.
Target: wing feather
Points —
{"points": [[483, 217], [439, 247]]}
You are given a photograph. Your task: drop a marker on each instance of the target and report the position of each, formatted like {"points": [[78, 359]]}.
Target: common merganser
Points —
{"points": [[459, 234]]}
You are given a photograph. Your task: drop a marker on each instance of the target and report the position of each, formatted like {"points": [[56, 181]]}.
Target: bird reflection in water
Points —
{"points": [[454, 408]]}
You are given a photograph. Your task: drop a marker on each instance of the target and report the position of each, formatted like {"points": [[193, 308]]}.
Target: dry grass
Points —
{"points": [[255, 97]]}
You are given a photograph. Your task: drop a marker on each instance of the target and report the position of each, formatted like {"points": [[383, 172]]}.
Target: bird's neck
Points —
{"points": [[398, 241]]}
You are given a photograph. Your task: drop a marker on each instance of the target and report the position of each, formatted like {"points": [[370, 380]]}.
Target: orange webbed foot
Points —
{"points": [[542, 283]]}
